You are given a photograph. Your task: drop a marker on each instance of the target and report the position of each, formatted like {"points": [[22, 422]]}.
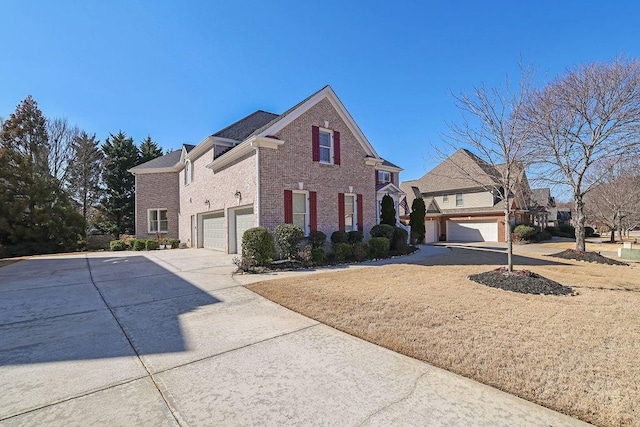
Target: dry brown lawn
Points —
{"points": [[579, 355], [590, 246]]}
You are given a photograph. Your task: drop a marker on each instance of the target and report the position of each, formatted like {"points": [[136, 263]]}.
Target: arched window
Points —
{"points": [[187, 172]]}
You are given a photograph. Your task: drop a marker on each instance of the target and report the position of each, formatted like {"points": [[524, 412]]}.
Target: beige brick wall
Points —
{"points": [[157, 191], [292, 163], [218, 188]]}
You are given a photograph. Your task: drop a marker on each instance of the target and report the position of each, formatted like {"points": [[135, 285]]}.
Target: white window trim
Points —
{"points": [[355, 211], [461, 199], [188, 172], [381, 180], [331, 146], [149, 220], [307, 225]]}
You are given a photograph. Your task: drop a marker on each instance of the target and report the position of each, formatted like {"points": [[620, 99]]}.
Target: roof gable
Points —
{"points": [[166, 163]]}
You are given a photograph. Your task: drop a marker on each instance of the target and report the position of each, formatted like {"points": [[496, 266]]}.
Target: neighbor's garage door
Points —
{"points": [[472, 231], [213, 231], [431, 231], [244, 221]]}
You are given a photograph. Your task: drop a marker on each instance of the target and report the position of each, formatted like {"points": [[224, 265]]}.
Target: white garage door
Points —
{"points": [[431, 231], [244, 221], [213, 231], [472, 231]]}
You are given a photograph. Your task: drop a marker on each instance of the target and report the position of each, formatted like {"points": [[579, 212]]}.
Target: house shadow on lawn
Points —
{"points": [[484, 256], [55, 310]]}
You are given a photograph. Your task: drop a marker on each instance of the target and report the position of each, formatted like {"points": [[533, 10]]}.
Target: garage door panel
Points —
{"points": [[472, 231], [213, 232], [244, 221], [431, 231]]}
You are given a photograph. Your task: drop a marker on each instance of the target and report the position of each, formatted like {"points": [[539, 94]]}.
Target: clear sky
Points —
{"points": [[181, 70]]}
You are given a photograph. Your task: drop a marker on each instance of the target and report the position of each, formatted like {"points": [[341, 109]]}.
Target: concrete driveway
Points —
{"points": [[171, 338]]}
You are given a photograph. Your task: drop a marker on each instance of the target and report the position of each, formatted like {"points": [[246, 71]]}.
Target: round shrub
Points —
{"points": [[151, 244], [552, 230], [318, 256], [399, 245], [288, 237], [117, 245], [524, 232], [339, 237], [354, 236], [343, 251], [589, 232], [138, 245], [258, 245], [382, 230], [360, 251], [174, 243], [567, 230], [379, 247], [317, 239]]}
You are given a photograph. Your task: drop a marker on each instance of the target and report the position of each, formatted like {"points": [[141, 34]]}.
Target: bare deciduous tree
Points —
{"points": [[492, 125], [589, 114], [61, 135]]}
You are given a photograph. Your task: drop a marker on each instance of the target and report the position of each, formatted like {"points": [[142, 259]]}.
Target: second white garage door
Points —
{"points": [[213, 231], [244, 221], [472, 231]]}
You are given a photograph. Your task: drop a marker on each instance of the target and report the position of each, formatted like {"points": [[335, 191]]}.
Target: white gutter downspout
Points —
{"points": [[257, 208]]}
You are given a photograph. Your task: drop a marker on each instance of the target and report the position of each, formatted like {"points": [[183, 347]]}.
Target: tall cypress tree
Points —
{"points": [[118, 204], [149, 150], [416, 220], [388, 214]]}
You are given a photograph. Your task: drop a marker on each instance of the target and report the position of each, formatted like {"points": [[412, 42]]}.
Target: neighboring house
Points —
{"points": [[310, 166], [543, 208], [461, 208]]}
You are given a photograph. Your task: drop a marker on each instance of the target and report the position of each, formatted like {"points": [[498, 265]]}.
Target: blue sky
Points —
{"points": [[179, 71]]}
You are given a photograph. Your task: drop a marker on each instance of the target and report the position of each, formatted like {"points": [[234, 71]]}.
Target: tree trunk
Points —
{"points": [[507, 235], [579, 223], [620, 228]]}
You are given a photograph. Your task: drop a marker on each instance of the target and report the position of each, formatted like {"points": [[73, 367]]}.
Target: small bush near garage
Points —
{"points": [[117, 245], [399, 245], [342, 251], [138, 245], [258, 246], [355, 236], [523, 232], [174, 243], [288, 237], [317, 239], [382, 230], [318, 256], [339, 237], [151, 244], [360, 251], [379, 247]]}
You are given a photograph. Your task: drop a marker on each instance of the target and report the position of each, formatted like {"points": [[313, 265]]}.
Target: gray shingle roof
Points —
{"points": [[391, 165], [243, 128], [167, 161], [541, 196]]}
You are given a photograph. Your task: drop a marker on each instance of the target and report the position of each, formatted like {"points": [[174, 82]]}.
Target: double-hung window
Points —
{"points": [[158, 221], [384, 177], [300, 211], [326, 147], [350, 213], [459, 199]]}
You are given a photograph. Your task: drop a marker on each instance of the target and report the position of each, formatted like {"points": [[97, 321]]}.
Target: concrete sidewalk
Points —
{"points": [[171, 338]]}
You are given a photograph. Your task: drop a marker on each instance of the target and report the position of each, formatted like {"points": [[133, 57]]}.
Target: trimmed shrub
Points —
{"points": [[318, 256], [399, 245], [552, 230], [339, 237], [343, 251], [524, 232], [416, 220], [567, 230], [117, 245], [174, 243], [355, 236], [258, 245], [151, 244], [288, 237], [589, 232], [388, 211], [317, 239], [138, 245], [304, 255], [541, 236], [360, 251], [382, 230], [379, 247]]}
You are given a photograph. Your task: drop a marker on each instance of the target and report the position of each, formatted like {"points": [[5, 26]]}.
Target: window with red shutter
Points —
{"points": [[360, 213], [341, 211], [336, 147], [313, 211], [315, 143], [288, 207]]}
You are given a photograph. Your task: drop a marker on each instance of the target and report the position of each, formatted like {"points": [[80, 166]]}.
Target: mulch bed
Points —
{"points": [[587, 256], [522, 281]]}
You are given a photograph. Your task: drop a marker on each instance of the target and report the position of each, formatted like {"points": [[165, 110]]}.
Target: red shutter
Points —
{"points": [[315, 143], [360, 213], [375, 174], [288, 207], [336, 147], [313, 211], [341, 211], [393, 177]]}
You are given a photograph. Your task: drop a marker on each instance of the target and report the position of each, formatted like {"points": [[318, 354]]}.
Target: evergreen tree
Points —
{"points": [[85, 173], [36, 215], [388, 214], [416, 220], [118, 204], [149, 150]]}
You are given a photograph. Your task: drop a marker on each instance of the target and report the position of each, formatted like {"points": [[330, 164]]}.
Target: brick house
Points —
{"points": [[310, 166], [462, 208]]}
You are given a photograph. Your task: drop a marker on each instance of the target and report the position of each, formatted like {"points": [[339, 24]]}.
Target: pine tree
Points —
{"points": [[388, 215], [416, 220], [85, 173], [149, 150], [118, 204]]}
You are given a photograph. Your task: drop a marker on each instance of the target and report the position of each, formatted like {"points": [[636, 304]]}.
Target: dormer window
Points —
{"points": [[384, 177]]}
